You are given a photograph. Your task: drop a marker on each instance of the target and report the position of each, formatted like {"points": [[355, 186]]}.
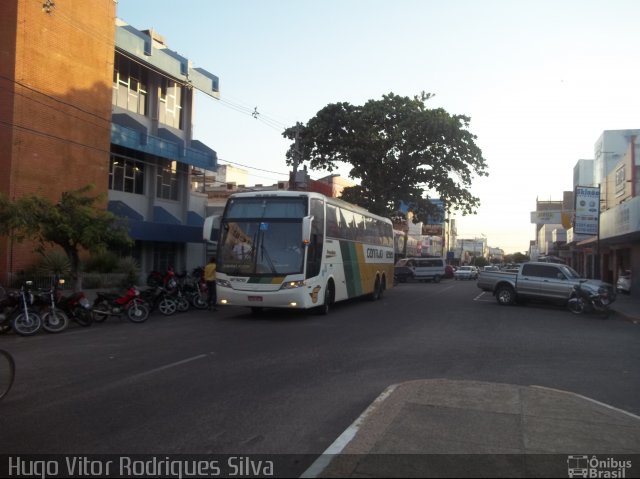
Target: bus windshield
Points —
{"points": [[261, 247]]}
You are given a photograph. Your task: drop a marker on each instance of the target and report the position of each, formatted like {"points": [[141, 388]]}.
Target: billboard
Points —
{"points": [[554, 217], [438, 218], [546, 217], [587, 207]]}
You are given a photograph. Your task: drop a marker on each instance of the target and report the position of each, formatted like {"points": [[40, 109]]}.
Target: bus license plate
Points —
{"points": [[255, 298]]}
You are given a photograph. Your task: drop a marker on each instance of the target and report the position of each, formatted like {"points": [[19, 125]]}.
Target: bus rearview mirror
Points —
{"points": [[211, 230], [306, 229]]}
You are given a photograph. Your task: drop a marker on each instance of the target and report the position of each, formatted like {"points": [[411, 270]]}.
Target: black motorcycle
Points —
{"points": [[159, 299], [16, 311], [586, 299], [54, 319], [194, 288]]}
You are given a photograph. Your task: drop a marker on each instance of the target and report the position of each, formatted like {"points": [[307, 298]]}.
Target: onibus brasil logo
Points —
{"points": [[585, 466]]}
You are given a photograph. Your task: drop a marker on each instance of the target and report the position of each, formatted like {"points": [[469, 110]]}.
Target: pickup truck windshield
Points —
{"points": [[570, 272]]}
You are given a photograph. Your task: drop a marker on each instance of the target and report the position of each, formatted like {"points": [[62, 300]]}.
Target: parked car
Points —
{"points": [[403, 270], [624, 282], [466, 272], [420, 269], [448, 271]]}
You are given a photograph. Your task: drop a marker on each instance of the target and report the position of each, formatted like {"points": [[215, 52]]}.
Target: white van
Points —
{"points": [[423, 269]]}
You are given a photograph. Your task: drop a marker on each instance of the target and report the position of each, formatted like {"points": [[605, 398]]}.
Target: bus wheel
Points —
{"points": [[328, 299], [375, 295]]}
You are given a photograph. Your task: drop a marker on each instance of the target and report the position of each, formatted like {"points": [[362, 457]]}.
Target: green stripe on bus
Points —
{"points": [[351, 269]]}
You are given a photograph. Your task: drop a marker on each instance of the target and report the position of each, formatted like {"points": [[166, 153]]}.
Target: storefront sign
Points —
{"points": [[546, 217], [587, 208]]}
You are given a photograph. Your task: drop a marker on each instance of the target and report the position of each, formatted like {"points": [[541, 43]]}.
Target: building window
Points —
{"points": [[129, 85], [126, 175], [170, 98], [165, 256], [167, 180]]}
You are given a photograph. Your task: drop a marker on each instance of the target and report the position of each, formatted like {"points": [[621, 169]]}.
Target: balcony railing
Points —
{"points": [[140, 141]]}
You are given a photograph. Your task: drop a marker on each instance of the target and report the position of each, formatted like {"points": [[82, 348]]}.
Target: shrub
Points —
{"points": [[129, 267], [104, 262], [54, 263]]}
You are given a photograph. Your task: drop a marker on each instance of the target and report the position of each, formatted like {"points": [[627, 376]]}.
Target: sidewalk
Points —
{"points": [[444, 428], [626, 307]]}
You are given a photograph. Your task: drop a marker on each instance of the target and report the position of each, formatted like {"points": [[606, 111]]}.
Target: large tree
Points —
{"points": [[75, 223], [399, 150]]}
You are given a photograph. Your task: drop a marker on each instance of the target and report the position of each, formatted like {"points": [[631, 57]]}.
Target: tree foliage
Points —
{"points": [[75, 223], [398, 149], [516, 258]]}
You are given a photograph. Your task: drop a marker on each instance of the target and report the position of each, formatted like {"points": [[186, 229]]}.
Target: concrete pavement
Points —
{"points": [[444, 428]]}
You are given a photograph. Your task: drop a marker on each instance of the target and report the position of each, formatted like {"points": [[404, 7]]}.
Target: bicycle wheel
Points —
{"points": [[7, 372]]}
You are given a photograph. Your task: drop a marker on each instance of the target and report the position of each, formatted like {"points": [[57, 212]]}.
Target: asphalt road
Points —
{"points": [[228, 382]]}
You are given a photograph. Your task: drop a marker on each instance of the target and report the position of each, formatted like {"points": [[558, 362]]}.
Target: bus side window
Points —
{"points": [[332, 221]]}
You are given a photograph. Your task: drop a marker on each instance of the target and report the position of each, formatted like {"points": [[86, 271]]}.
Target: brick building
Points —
{"points": [[86, 98], [56, 68]]}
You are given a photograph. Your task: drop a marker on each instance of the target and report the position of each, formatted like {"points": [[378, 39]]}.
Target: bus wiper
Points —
{"points": [[265, 255]]}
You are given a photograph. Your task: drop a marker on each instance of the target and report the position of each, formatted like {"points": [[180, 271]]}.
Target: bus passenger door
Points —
{"points": [[316, 237]]}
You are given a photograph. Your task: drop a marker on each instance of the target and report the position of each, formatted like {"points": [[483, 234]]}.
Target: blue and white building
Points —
{"points": [[154, 156]]}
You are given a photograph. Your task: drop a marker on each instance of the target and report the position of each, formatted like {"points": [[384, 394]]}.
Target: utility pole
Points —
{"points": [[296, 159]]}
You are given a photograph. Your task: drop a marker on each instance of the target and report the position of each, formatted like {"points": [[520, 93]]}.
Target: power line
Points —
{"points": [[58, 100], [254, 168], [266, 119], [51, 136]]}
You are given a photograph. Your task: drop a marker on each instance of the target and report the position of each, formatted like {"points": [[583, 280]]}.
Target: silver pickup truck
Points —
{"points": [[541, 281]]}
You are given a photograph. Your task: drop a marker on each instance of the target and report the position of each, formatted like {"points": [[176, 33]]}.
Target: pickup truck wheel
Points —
{"points": [[505, 295]]}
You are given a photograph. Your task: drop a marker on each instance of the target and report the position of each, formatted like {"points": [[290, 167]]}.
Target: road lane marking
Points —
{"points": [[102, 388], [345, 438], [166, 366], [477, 298]]}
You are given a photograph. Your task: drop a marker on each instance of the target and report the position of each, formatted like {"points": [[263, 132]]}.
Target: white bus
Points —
{"points": [[301, 250]]}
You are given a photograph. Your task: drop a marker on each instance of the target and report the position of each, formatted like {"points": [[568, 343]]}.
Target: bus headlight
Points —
{"points": [[292, 284], [223, 283]]}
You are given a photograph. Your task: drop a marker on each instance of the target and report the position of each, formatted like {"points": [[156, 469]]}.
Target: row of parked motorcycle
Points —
{"points": [[27, 311]]}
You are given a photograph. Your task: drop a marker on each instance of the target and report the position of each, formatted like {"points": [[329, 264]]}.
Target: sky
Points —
{"points": [[541, 80]]}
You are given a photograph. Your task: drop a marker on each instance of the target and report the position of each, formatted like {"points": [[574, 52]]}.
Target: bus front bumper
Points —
{"points": [[295, 298]]}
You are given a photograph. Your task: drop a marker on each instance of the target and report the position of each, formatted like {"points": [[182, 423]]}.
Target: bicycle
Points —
{"points": [[7, 372]]}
